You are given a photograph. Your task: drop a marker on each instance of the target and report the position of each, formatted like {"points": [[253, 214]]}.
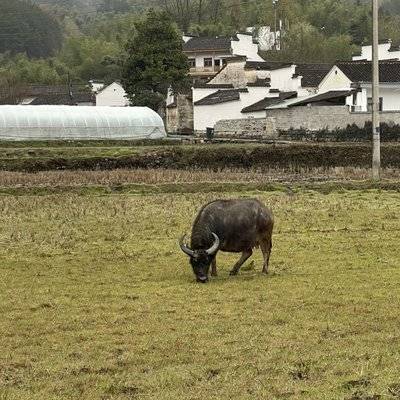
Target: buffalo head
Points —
{"points": [[201, 259]]}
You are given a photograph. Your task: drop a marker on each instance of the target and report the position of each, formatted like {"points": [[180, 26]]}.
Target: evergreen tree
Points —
{"points": [[25, 28], [154, 62]]}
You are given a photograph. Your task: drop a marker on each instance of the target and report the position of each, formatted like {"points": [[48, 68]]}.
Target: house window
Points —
{"points": [[192, 63], [370, 103], [208, 62], [217, 63]]}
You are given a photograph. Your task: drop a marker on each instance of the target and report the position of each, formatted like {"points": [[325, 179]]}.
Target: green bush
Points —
{"points": [[352, 133]]}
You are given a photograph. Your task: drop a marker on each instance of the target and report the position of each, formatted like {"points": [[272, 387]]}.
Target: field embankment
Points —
{"points": [[295, 157]]}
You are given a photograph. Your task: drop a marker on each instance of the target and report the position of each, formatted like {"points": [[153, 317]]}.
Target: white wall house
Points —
{"points": [[244, 89], [228, 104], [208, 55], [386, 51], [113, 95], [358, 75]]}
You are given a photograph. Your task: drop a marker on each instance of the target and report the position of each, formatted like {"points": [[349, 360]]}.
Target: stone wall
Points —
{"points": [[180, 116], [307, 118], [236, 74]]}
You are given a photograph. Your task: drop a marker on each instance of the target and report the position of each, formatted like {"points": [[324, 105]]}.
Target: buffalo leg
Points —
{"points": [[266, 247], [214, 267], [245, 255]]}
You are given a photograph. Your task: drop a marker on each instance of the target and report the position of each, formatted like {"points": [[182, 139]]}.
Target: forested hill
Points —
{"points": [[86, 39], [391, 6], [101, 5], [25, 28]]}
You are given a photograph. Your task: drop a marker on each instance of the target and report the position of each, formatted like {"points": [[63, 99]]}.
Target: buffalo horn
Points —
{"points": [[184, 248], [212, 250]]}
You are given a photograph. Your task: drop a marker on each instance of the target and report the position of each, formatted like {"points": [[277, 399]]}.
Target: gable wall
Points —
{"points": [[114, 96], [335, 80]]}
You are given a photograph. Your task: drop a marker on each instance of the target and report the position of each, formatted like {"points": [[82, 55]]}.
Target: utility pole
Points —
{"points": [[69, 86], [376, 129], [275, 4]]}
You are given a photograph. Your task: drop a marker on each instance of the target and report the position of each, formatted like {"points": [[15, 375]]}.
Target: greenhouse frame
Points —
{"points": [[79, 123]]}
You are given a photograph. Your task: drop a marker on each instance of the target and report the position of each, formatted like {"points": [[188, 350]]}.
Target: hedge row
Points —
{"points": [[389, 133], [219, 157]]}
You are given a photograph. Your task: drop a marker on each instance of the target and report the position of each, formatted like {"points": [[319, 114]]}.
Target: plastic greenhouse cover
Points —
{"points": [[79, 122]]}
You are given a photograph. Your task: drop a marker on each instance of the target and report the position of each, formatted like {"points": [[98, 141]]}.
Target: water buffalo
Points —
{"points": [[235, 226]]}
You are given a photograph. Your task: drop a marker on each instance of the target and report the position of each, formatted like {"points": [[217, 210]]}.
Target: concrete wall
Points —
{"points": [[309, 118]]}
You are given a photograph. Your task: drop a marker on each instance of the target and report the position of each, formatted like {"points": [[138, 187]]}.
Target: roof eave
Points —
{"points": [[228, 50]]}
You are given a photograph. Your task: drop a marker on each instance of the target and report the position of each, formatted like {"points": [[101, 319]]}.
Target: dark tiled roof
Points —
{"points": [[312, 74], [38, 90], [205, 85], [207, 43], [394, 47], [260, 83], [266, 65], [174, 104], [361, 71], [269, 101], [62, 99], [330, 97], [221, 96]]}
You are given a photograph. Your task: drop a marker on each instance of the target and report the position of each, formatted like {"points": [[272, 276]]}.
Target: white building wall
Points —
{"points": [[245, 47], [282, 79], [360, 103], [200, 93], [390, 95], [384, 53], [208, 115], [335, 80], [113, 95], [199, 57], [265, 38]]}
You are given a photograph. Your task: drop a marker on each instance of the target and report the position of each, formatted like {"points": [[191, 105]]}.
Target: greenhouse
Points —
{"points": [[79, 123]]}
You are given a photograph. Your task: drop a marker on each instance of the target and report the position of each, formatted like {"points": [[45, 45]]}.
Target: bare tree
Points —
{"points": [[182, 11], [11, 90]]}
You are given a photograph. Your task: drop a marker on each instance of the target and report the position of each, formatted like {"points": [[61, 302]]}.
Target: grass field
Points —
{"points": [[97, 302]]}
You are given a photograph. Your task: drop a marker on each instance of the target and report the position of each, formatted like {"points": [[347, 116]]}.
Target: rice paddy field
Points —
{"points": [[98, 302]]}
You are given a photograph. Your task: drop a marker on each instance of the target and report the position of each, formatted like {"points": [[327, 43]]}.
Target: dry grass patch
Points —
{"points": [[161, 176]]}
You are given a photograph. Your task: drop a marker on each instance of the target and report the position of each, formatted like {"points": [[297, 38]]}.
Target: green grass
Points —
{"points": [[97, 302]]}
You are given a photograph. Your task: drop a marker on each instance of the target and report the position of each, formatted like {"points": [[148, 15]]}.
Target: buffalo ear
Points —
{"points": [[184, 247]]}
